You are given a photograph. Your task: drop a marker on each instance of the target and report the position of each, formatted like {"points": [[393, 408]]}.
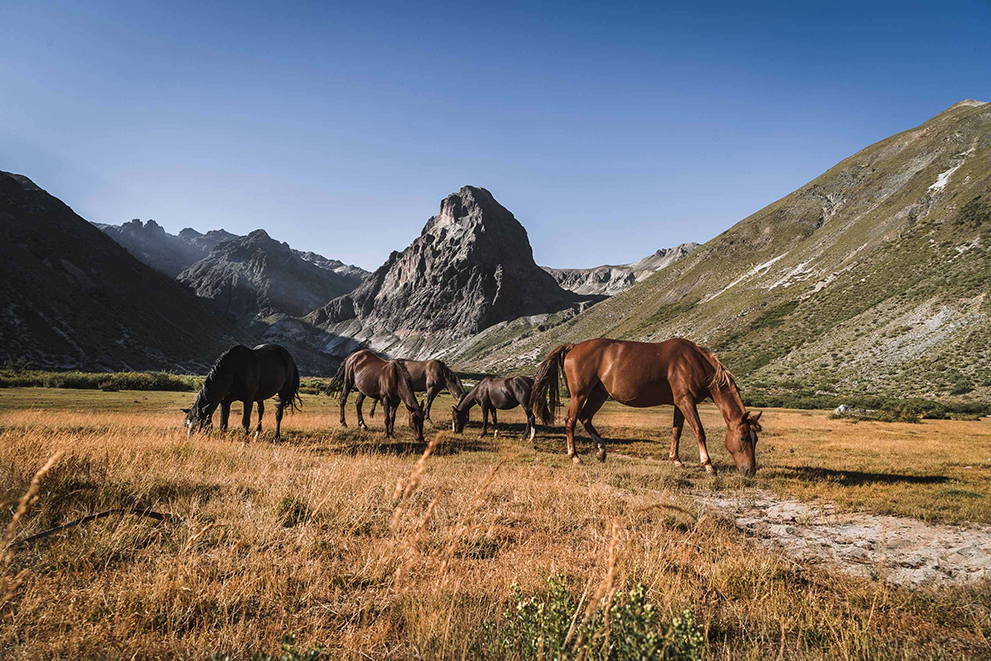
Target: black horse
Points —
{"points": [[246, 375], [492, 393]]}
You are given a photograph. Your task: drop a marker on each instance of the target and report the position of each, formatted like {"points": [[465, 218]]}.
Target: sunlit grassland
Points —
{"points": [[307, 535]]}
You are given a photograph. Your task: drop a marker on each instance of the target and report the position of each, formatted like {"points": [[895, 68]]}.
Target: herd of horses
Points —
{"points": [[676, 372]]}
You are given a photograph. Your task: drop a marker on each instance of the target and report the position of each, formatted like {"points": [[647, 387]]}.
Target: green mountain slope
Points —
{"points": [[871, 278]]}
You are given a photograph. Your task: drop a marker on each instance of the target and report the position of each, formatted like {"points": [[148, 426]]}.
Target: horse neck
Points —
{"points": [[405, 388], [729, 403], [469, 399]]}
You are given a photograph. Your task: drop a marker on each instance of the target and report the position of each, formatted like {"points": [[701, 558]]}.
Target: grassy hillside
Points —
{"points": [[872, 278]]}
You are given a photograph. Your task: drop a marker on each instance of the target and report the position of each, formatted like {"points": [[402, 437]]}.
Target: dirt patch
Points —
{"points": [[900, 550]]}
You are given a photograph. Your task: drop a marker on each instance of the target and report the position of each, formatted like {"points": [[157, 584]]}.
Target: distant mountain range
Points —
{"points": [[608, 280]]}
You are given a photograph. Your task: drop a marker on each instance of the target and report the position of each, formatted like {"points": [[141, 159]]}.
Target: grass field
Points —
{"points": [[310, 537]]}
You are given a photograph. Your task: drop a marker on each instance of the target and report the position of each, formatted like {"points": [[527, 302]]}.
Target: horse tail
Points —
{"points": [[338, 381], [453, 383], [545, 398], [295, 401], [406, 387]]}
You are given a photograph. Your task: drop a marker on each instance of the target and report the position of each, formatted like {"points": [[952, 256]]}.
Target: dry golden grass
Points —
{"points": [[303, 536]]}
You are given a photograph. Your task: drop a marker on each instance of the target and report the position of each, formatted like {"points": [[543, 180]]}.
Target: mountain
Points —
{"points": [[471, 268], [172, 254], [73, 298], [871, 278], [164, 252], [251, 277], [612, 279]]}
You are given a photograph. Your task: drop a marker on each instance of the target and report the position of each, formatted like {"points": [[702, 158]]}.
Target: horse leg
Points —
{"points": [[371, 412], [392, 417], [676, 427], [344, 400], [246, 416], [432, 392], [225, 414], [577, 402], [495, 423], [279, 408], [691, 413], [358, 401], [485, 419], [531, 423], [261, 412], [593, 403], [387, 412]]}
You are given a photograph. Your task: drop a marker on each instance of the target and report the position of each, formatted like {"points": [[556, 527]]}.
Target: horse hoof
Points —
{"points": [[344, 424], [709, 468], [257, 434], [576, 459], [601, 456], [676, 461], [532, 434]]}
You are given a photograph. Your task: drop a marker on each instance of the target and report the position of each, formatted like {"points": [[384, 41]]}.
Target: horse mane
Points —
{"points": [[406, 386], [722, 378], [221, 376], [451, 376]]}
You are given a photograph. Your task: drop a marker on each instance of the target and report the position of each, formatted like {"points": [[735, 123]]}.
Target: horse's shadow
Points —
{"points": [[447, 447], [856, 478]]}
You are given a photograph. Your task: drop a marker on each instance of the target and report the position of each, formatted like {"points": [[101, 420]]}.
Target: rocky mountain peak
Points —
{"points": [[471, 267]]}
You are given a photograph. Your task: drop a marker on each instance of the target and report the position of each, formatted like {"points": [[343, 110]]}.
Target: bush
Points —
{"points": [[537, 627], [289, 652], [109, 381]]}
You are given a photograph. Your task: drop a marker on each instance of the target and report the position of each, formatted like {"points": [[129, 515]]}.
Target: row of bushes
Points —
{"points": [[888, 408], [110, 381]]}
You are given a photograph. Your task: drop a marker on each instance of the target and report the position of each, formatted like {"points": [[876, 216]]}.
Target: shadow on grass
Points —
{"points": [[448, 447], [854, 478]]}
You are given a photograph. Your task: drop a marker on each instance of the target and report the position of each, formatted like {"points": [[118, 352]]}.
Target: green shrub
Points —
{"points": [[109, 381], [537, 627], [289, 653]]}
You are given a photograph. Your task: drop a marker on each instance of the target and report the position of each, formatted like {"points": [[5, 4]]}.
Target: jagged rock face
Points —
{"points": [[255, 276], [471, 267], [152, 245], [608, 280], [71, 297]]}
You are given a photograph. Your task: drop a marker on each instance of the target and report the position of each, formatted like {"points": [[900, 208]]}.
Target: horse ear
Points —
{"points": [[756, 418], [186, 411], [422, 402]]}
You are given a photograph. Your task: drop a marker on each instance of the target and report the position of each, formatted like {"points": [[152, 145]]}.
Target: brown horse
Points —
{"points": [[641, 374], [493, 393], [430, 376], [388, 380], [246, 375]]}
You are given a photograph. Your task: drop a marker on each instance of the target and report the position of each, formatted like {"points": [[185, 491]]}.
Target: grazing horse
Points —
{"points": [[246, 375], [430, 376], [388, 380], [493, 393], [641, 374]]}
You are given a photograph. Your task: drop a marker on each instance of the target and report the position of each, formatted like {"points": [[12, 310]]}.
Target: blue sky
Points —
{"points": [[609, 131]]}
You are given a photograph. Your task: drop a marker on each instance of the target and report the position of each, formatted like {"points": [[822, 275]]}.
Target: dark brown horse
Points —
{"points": [[388, 380], [492, 393], [641, 374], [248, 376], [430, 376]]}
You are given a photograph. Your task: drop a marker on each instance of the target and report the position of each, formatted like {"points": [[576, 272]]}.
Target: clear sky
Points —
{"points": [[609, 130]]}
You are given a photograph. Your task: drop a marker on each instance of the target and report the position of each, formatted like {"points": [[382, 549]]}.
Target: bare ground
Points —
{"points": [[901, 550]]}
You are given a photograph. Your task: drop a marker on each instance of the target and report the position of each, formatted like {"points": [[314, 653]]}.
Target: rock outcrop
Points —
{"points": [[472, 267], [71, 297], [608, 280]]}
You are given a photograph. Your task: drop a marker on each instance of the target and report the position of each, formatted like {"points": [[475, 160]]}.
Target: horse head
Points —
{"points": [[741, 441], [459, 419], [199, 417], [416, 420]]}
